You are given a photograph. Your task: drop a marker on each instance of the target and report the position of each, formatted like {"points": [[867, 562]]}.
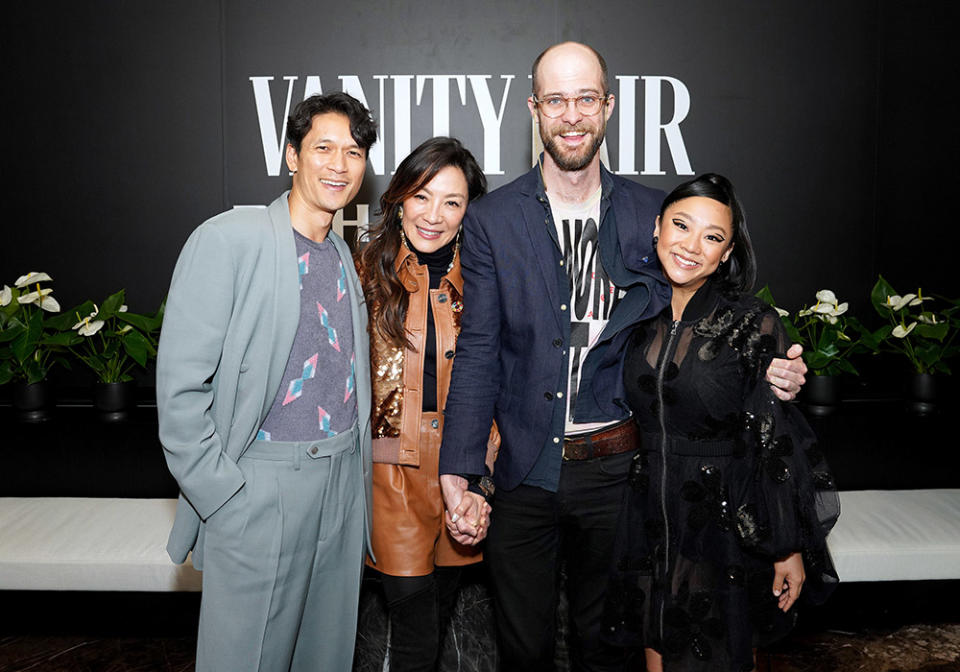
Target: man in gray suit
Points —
{"points": [[263, 393]]}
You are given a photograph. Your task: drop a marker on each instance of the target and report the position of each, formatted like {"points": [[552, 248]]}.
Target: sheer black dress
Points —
{"points": [[728, 479]]}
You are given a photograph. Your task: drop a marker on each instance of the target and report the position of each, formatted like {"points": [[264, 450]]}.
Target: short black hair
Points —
{"points": [[741, 271], [363, 127]]}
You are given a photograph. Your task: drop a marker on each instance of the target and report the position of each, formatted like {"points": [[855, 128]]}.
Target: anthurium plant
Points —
{"points": [[32, 339], [828, 334], [914, 329], [111, 340]]}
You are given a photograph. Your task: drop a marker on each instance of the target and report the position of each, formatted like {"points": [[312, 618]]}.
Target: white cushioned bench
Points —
{"points": [[76, 543], [897, 535]]}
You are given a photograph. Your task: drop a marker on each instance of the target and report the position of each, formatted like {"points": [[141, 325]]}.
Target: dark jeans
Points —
{"points": [[531, 531], [420, 609]]}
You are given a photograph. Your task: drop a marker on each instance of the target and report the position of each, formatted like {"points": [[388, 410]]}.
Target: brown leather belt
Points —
{"points": [[611, 441]]}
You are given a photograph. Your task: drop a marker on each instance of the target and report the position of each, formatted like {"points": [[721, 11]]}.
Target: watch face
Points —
{"points": [[486, 484]]}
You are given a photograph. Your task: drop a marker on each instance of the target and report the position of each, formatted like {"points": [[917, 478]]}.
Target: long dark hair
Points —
{"points": [[386, 296], [740, 270]]}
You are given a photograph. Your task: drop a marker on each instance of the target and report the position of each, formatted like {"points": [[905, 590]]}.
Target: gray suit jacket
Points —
{"points": [[230, 321]]}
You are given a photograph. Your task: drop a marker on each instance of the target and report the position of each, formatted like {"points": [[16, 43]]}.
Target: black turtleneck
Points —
{"points": [[437, 263]]}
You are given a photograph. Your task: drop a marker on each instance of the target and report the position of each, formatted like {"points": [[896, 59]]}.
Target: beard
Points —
{"points": [[573, 160]]}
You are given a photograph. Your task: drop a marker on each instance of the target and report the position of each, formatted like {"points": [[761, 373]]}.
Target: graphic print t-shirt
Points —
{"points": [[592, 294], [316, 399]]}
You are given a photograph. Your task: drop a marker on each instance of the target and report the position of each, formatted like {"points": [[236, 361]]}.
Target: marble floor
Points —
{"points": [[111, 632]]}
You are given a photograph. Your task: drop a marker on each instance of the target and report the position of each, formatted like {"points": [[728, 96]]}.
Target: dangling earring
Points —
{"points": [[456, 249], [403, 236], [656, 239]]}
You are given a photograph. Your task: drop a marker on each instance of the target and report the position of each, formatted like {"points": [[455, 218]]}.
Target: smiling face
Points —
{"points": [[572, 139], [432, 215], [695, 235], [329, 168]]}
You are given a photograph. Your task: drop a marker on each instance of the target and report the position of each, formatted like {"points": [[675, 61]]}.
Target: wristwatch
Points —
{"points": [[481, 485]]}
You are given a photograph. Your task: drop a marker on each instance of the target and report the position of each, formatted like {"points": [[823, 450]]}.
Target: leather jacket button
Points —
{"points": [[448, 354], [434, 423], [548, 396], [557, 342], [442, 298]]}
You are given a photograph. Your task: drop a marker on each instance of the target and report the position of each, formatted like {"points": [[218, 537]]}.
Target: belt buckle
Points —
{"points": [[587, 445]]}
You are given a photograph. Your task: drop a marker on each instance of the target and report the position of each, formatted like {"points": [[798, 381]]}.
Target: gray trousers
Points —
{"points": [[283, 559]]}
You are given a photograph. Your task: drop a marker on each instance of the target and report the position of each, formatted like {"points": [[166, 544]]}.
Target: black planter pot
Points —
{"points": [[922, 395], [115, 400], [33, 401], [821, 394]]}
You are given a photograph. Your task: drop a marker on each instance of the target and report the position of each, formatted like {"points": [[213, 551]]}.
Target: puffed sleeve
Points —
{"points": [[795, 502]]}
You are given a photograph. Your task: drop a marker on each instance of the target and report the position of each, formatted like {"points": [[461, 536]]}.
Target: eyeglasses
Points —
{"points": [[588, 104]]}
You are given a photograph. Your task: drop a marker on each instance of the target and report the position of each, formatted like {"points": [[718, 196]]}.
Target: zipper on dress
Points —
{"points": [[667, 356]]}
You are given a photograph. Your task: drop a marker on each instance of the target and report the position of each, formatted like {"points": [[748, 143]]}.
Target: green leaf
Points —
{"points": [[815, 359], [111, 349], [65, 320], [111, 306], [96, 364], [846, 367], [927, 353], [25, 344], [35, 372], [63, 339], [141, 322], [936, 332], [793, 333], [10, 333], [137, 347], [828, 341], [878, 296], [766, 295]]}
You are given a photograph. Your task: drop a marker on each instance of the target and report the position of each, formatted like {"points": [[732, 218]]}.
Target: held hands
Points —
{"points": [[786, 375], [468, 515], [788, 577]]}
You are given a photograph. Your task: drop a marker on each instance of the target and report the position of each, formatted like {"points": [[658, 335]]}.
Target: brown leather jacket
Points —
{"points": [[398, 372]]}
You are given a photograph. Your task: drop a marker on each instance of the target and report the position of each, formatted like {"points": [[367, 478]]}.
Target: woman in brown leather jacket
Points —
{"points": [[410, 270]]}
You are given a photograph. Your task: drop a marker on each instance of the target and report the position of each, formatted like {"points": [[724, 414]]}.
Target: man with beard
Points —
{"points": [[555, 264]]}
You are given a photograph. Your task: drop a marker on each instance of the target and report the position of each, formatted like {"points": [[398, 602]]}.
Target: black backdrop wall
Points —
{"points": [[129, 123]]}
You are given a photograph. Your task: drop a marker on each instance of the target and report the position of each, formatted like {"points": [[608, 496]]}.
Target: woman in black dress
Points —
{"points": [[729, 500]]}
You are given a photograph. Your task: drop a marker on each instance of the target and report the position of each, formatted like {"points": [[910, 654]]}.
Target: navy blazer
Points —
{"points": [[512, 353]]}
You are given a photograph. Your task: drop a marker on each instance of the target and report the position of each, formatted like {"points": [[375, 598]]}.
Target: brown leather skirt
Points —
{"points": [[409, 536]]}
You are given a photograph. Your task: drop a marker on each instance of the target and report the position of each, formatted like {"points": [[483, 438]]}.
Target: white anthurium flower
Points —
{"points": [[125, 329], [901, 332], [832, 319], [122, 309], [928, 318], [781, 312], [89, 326], [841, 308], [31, 278], [826, 296], [804, 312], [42, 298], [6, 296], [896, 302]]}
